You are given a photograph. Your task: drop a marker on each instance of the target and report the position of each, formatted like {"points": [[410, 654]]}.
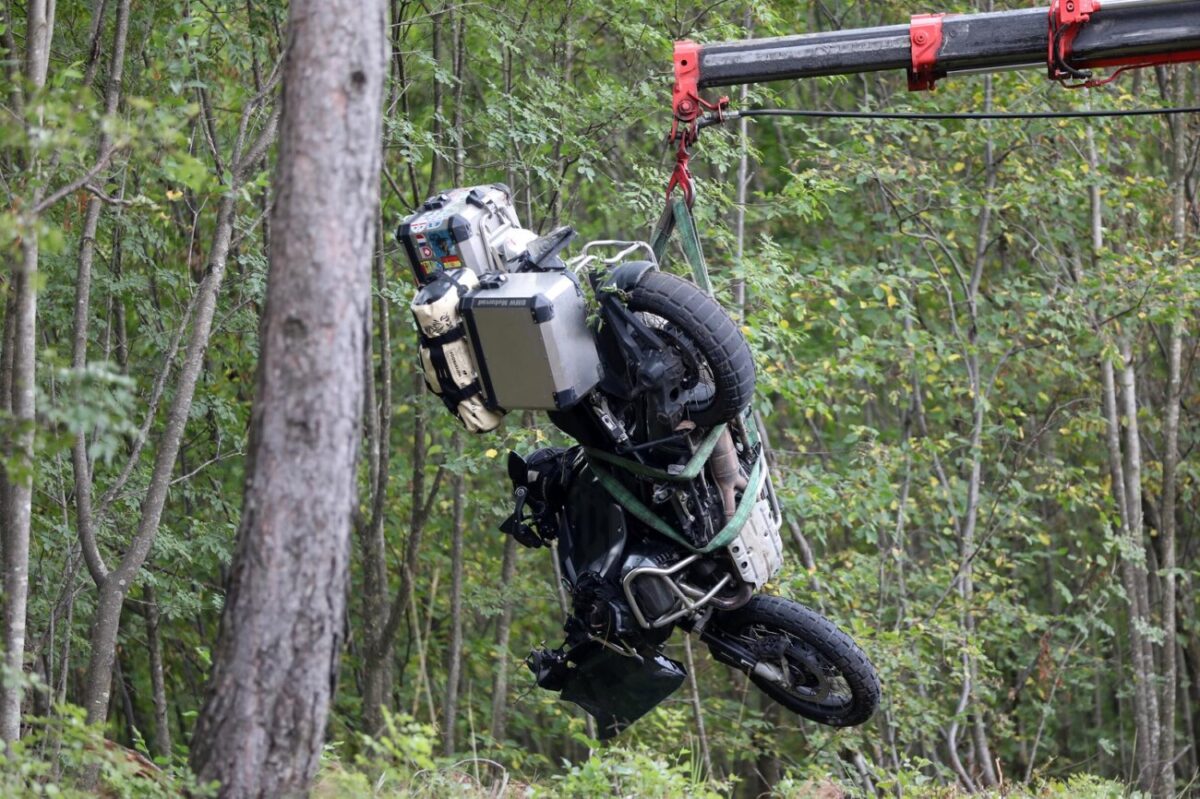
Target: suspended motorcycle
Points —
{"points": [[663, 513]]}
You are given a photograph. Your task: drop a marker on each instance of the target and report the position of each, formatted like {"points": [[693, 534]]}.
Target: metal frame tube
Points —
{"points": [[692, 598], [975, 42]]}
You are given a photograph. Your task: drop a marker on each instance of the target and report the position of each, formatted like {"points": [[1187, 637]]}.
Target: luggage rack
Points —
{"points": [[586, 258]]}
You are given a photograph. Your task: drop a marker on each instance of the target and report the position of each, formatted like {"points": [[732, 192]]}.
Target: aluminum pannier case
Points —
{"points": [[467, 227], [531, 339]]}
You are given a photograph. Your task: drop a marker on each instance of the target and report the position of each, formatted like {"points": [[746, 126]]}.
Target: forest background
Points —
{"points": [[976, 361]]}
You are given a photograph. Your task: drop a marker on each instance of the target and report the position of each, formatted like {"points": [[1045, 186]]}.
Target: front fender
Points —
{"points": [[629, 274]]}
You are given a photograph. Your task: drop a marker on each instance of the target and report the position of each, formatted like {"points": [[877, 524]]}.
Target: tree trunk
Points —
{"points": [[1170, 465], [454, 654], [697, 708], [743, 183], [262, 727], [378, 652], [38, 33], [158, 686], [1127, 379], [508, 570], [116, 584], [1126, 488], [83, 287], [377, 674]]}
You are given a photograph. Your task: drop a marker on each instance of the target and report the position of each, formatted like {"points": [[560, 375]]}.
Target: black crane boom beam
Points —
{"points": [[1120, 32]]}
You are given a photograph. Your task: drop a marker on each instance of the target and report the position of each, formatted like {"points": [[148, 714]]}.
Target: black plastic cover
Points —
{"points": [[618, 690], [543, 311]]}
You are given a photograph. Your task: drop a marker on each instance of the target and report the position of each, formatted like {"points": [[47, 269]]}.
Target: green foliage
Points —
{"points": [[885, 380], [400, 763], [621, 772], [61, 756]]}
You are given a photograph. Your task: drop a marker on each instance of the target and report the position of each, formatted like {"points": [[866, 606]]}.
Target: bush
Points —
{"points": [[62, 756]]}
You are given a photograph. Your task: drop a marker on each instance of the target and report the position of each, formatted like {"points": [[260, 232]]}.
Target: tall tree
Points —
{"points": [[263, 723], [23, 344], [114, 585]]}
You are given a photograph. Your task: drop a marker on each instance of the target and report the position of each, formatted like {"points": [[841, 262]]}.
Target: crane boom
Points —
{"points": [[1126, 34], [1068, 38]]}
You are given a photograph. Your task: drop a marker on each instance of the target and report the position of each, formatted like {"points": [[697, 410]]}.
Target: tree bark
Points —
{"points": [[83, 287], [508, 570], [455, 651], [378, 652], [1126, 489], [697, 707], [1170, 464], [116, 584], [743, 183], [377, 672], [459, 482], [262, 727], [38, 33], [1127, 379], [158, 686]]}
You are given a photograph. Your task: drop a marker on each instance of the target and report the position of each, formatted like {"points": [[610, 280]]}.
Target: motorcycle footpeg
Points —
{"points": [[549, 667], [526, 536], [515, 525]]}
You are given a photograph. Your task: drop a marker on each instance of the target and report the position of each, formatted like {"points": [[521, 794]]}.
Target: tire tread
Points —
{"points": [[716, 335], [824, 636]]}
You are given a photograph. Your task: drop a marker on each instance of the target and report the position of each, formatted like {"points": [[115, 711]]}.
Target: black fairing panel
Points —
{"points": [[618, 691], [593, 539]]}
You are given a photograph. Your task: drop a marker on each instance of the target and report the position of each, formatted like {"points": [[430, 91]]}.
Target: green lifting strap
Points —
{"points": [[690, 472], [631, 503], [677, 214], [690, 238], [661, 236]]}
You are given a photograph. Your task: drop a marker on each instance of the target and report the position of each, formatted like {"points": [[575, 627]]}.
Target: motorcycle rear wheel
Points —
{"points": [[804, 662]]}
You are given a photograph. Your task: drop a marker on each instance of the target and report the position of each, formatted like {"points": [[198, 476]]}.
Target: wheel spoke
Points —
{"points": [[810, 677]]}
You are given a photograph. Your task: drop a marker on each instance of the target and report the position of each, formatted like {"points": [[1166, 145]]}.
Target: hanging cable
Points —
{"points": [[728, 116]]}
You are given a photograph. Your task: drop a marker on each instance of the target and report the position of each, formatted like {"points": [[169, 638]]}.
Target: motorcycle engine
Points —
{"points": [[599, 605], [652, 594]]}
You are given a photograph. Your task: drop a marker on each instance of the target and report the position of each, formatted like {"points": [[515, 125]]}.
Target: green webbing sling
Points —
{"points": [[626, 499], [690, 472], [677, 214]]}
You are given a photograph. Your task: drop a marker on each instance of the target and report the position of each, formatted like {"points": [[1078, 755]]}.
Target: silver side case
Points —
{"points": [[531, 339]]}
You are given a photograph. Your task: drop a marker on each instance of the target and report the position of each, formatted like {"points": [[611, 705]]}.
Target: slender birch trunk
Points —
{"points": [[1170, 465], [39, 31], [158, 684], [1126, 488], [454, 654]]}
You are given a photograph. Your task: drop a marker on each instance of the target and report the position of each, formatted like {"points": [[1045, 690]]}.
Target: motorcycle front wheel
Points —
{"points": [[720, 382], [801, 660]]}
